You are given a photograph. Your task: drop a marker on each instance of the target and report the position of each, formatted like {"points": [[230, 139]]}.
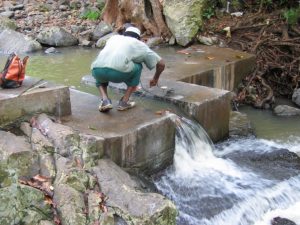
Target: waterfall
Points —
{"points": [[211, 190]]}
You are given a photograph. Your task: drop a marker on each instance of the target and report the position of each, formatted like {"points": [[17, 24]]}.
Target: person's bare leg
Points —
{"points": [[103, 92], [128, 93]]}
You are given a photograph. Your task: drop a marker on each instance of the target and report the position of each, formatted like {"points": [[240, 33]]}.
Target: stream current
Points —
{"points": [[210, 188], [210, 184]]}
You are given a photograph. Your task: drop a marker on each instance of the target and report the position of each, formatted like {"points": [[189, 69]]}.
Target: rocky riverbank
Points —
{"points": [[71, 22], [33, 24], [52, 174]]}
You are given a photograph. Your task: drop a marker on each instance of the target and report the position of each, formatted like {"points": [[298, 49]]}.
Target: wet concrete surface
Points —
{"points": [[137, 139]]}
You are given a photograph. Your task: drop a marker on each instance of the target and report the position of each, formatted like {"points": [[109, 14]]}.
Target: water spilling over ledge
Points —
{"points": [[209, 185]]}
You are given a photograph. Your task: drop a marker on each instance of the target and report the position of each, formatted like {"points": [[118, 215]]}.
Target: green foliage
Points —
{"points": [[208, 13], [209, 9], [91, 15], [292, 15]]}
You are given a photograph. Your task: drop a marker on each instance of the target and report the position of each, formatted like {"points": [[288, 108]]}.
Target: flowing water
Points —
{"points": [[210, 184], [211, 189]]}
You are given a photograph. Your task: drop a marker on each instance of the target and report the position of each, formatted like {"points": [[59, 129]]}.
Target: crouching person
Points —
{"points": [[121, 61]]}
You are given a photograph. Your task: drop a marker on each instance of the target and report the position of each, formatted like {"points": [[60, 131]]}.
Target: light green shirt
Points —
{"points": [[121, 52]]}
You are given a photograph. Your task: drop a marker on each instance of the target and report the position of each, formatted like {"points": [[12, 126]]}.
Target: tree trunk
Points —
{"points": [[145, 14]]}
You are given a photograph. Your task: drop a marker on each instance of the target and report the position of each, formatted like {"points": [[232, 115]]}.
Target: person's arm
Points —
{"points": [[160, 66]]}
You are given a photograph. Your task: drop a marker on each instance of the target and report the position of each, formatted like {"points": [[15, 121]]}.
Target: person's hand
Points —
{"points": [[153, 82]]}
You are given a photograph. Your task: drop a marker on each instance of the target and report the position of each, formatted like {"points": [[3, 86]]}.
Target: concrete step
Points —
{"points": [[137, 139], [30, 98]]}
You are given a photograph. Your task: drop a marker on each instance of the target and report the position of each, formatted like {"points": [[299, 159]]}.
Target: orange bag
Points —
{"points": [[13, 73]]}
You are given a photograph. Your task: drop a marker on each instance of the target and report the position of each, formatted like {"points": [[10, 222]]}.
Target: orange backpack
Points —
{"points": [[13, 73]]}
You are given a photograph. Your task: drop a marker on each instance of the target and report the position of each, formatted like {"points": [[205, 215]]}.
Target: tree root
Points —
{"points": [[276, 46]]}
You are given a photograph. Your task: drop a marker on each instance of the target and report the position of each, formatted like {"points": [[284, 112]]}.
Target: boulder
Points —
{"points": [[239, 124], [102, 41], [92, 149], [70, 205], [56, 36], [183, 17], [64, 138], [207, 40], [282, 221], [8, 14], [154, 41], [12, 41], [121, 189], [296, 97], [285, 110], [100, 30], [16, 158], [276, 164], [23, 205]]}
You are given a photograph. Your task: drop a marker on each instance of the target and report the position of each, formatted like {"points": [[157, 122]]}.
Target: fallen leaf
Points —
{"points": [[48, 200], [239, 56], [41, 178], [210, 57]]}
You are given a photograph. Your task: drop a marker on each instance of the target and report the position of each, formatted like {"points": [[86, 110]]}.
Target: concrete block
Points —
{"points": [[137, 139], [51, 99]]}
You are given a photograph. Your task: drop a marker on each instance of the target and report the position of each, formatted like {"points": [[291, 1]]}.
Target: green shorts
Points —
{"points": [[105, 75]]}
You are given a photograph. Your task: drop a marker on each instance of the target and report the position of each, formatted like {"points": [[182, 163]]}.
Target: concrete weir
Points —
{"points": [[140, 139]]}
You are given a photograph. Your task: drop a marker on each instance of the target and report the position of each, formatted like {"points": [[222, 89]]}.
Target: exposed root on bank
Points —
{"points": [[276, 45]]}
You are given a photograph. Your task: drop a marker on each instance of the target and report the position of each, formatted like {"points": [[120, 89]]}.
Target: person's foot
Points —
{"points": [[125, 105], [105, 105]]}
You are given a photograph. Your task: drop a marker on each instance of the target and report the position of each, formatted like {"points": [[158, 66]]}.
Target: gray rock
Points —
{"points": [[282, 221], [239, 124], [184, 23], [16, 155], [56, 36], [92, 149], [147, 208], [17, 7], [70, 173], [64, 139], [46, 150], [86, 43], [285, 110], [8, 14], [23, 205], [172, 41], [296, 97], [70, 205], [102, 41], [46, 222], [51, 50], [100, 30], [154, 41], [278, 164], [12, 41], [207, 40], [6, 23]]}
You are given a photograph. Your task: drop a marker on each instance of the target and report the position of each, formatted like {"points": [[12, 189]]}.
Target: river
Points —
{"points": [[211, 184]]}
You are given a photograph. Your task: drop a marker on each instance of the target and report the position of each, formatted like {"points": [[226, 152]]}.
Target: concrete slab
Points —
{"points": [[137, 139], [209, 106], [52, 99], [211, 66], [220, 68]]}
